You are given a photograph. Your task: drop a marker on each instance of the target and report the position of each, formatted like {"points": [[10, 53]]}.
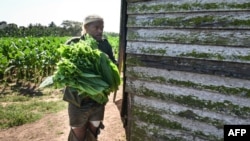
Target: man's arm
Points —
{"points": [[110, 53]]}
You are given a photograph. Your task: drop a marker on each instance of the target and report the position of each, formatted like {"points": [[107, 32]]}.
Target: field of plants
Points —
{"points": [[24, 63], [31, 59]]}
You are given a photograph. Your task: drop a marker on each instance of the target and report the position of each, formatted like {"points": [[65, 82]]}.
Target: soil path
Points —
{"points": [[55, 127]]}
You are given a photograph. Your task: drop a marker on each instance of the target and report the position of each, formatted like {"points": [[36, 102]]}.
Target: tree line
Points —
{"points": [[67, 28]]}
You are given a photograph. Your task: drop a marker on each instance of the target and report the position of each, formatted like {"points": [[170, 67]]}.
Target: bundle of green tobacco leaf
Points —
{"points": [[86, 69]]}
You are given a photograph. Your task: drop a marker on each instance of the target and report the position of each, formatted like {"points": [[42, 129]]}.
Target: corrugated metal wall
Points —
{"points": [[187, 68]]}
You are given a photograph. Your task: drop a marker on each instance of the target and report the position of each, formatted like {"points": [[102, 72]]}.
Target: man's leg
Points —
{"points": [[79, 133], [80, 127], [78, 121], [95, 126], [95, 120]]}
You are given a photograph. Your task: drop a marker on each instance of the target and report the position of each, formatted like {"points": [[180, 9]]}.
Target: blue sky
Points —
{"points": [[24, 12]]}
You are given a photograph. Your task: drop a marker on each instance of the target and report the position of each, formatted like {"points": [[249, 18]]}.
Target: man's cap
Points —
{"points": [[92, 18]]}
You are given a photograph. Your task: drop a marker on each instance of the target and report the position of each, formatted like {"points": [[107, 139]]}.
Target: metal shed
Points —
{"points": [[186, 68]]}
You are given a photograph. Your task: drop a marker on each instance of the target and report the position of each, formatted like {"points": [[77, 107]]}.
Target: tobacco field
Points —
{"points": [[31, 59]]}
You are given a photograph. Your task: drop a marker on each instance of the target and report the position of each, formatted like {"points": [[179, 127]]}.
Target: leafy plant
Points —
{"points": [[88, 70]]}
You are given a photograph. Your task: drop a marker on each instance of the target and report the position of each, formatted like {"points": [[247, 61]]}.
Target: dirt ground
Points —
{"points": [[55, 127]]}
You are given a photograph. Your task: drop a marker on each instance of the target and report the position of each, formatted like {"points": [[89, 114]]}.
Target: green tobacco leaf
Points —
{"points": [[48, 81], [9, 68], [85, 68]]}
